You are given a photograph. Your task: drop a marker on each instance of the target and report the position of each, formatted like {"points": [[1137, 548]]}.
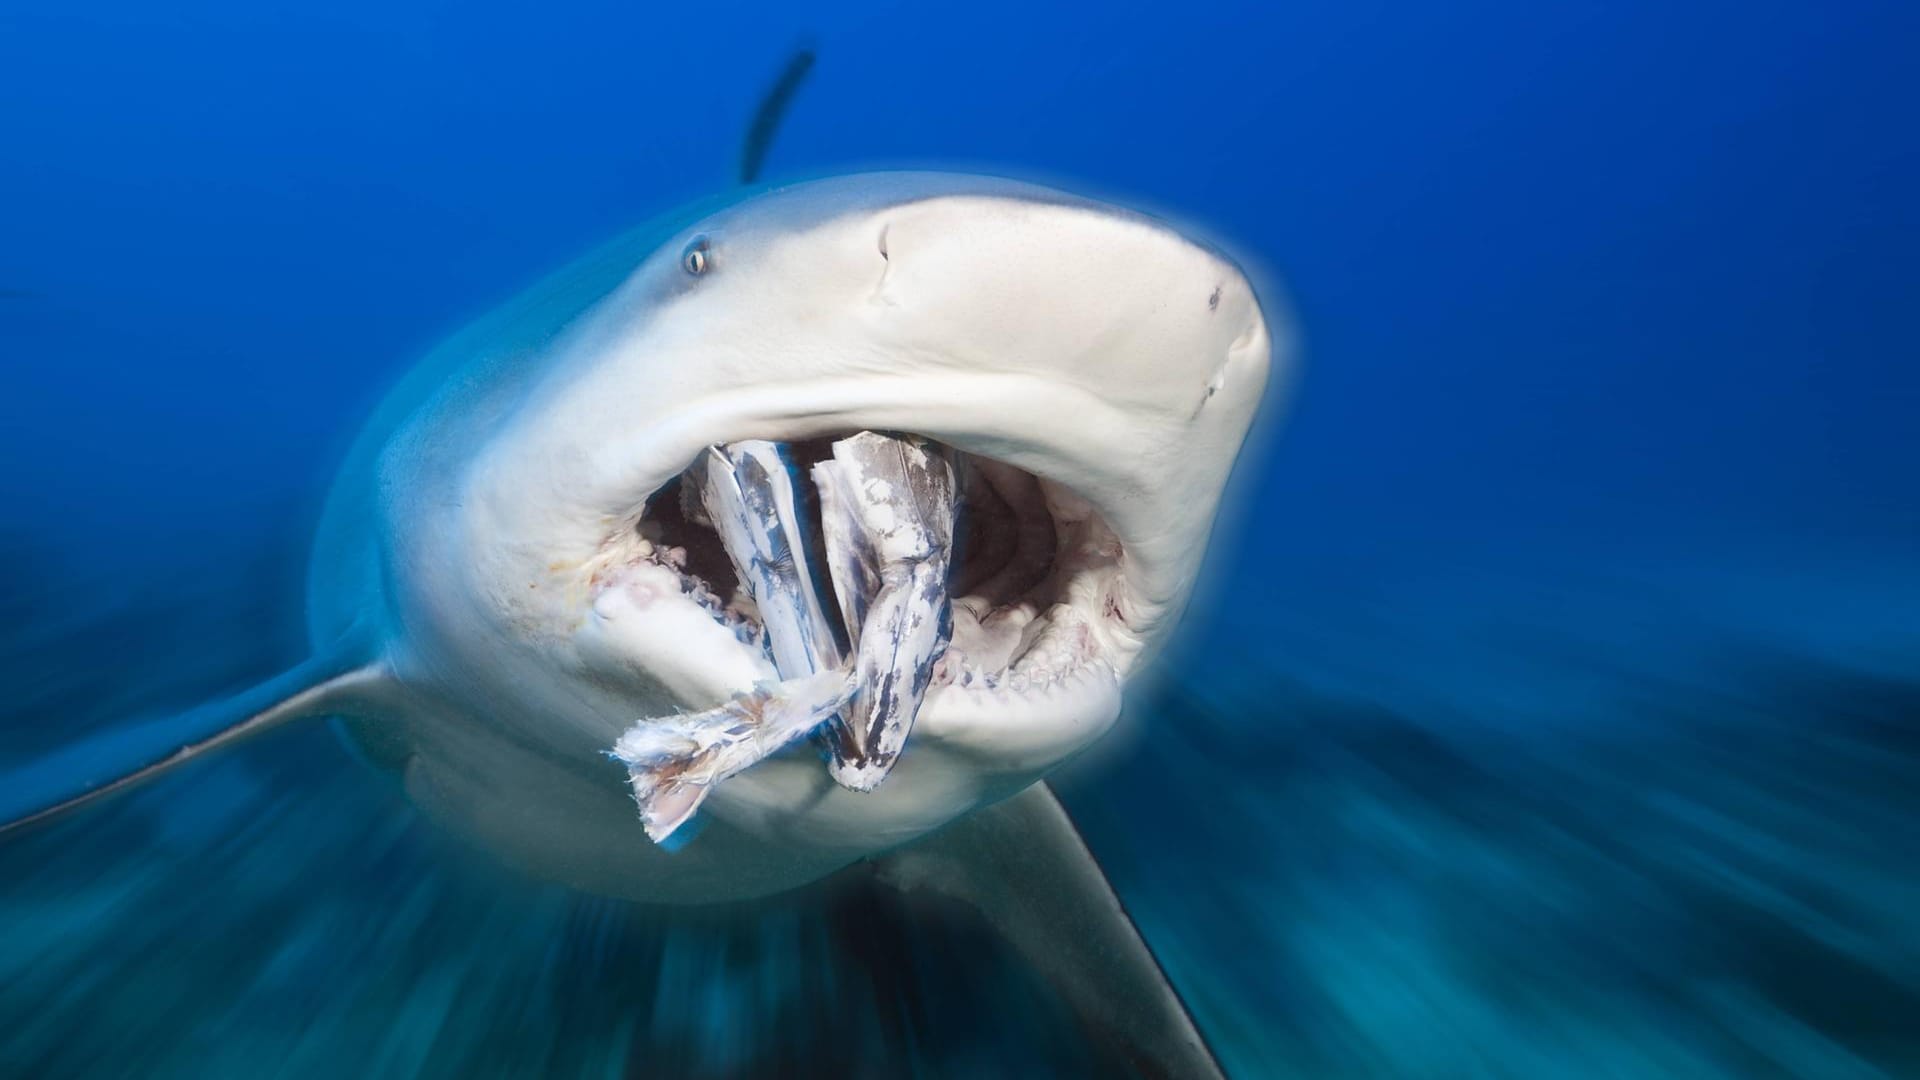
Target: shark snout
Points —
{"points": [[1122, 305]]}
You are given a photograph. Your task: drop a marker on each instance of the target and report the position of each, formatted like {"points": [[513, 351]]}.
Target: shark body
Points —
{"points": [[515, 569]]}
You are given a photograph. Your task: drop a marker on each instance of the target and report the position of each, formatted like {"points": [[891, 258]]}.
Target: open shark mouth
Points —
{"points": [[871, 572]]}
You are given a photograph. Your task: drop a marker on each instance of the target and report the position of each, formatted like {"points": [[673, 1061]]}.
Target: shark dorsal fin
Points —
{"points": [[773, 109]]}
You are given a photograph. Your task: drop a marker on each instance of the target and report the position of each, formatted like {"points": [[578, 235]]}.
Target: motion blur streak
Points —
{"points": [[1655, 847], [1633, 838], [1556, 714], [277, 913]]}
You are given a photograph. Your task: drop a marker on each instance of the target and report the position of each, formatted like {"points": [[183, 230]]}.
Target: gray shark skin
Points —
{"points": [[515, 572]]}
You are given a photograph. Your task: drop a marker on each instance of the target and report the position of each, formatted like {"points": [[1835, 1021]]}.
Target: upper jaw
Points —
{"points": [[1132, 496], [1042, 617], [1153, 478]]}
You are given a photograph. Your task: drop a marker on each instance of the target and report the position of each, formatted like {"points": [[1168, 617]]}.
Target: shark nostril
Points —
{"points": [[1247, 338], [1213, 302], [879, 295]]}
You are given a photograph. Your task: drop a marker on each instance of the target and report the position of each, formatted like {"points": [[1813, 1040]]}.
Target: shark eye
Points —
{"points": [[695, 260]]}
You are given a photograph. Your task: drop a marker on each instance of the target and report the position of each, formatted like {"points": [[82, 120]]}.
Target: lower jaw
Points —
{"points": [[969, 748]]}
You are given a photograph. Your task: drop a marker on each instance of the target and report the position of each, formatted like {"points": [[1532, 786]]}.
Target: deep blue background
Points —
{"points": [[1593, 519]]}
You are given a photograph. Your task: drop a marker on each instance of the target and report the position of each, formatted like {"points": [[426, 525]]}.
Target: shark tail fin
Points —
{"points": [[1023, 866], [113, 761]]}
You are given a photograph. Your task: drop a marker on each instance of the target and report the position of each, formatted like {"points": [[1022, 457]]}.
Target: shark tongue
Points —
{"points": [[887, 522], [887, 511]]}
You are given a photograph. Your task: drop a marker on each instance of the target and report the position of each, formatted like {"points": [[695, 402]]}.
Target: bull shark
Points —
{"points": [[796, 530]]}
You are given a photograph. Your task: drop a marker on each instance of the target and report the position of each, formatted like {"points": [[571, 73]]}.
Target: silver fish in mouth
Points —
{"points": [[887, 508], [886, 528]]}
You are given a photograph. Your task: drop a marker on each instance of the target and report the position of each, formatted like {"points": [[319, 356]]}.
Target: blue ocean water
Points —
{"points": [[1555, 706]]}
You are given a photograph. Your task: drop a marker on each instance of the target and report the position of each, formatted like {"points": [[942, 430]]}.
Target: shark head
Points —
{"points": [[1088, 373]]}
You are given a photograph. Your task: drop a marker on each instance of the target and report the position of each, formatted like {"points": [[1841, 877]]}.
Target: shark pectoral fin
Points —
{"points": [[1023, 866], [118, 759]]}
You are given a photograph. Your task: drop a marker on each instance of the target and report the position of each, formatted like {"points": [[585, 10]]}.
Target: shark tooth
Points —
{"points": [[887, 516]]}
